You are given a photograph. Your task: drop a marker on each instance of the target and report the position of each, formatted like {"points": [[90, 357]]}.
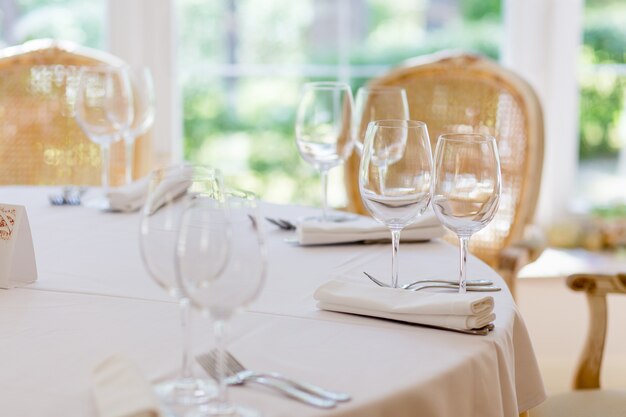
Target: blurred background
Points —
{"points": [[228, 74], [240, 65]]}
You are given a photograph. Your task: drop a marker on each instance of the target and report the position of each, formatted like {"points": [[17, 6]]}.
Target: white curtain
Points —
{"points": [[542, 44], [142, 32]]}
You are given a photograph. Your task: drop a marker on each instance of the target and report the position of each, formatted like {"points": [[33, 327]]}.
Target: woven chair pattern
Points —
{"points": [[40, 141], [462, 93]]}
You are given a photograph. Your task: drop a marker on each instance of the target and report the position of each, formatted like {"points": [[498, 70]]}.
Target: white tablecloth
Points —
{"points": [[94, 298]]}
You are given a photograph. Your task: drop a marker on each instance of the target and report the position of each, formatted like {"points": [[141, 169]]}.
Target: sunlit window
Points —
{"points": [[602, 173], [242, 64], [73, 20]]}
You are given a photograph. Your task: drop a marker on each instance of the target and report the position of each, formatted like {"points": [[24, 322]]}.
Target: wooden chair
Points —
{"points": [[465, 93], [40, 142], [587, 399]]}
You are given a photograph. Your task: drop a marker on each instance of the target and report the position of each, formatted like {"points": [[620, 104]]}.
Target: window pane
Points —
{"points": [[243, 63], [602, 99], [73, 20]]}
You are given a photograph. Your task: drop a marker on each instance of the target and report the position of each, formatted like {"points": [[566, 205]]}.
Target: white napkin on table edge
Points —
{"points": [[132, 197], [456, 311], [311, 232], [120, 390], [129, 197]]}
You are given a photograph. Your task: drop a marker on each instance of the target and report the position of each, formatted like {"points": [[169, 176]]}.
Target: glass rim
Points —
{"points": [[104, 68], [397, 123], [467, 137], [326, 85], [382, 88], [186, 165], [241, 194]]}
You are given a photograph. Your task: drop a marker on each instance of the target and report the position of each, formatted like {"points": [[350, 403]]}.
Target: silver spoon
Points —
{"points": [[469, 283]]}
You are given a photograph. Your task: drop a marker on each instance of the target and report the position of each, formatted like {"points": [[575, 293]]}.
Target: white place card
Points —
{"points": [[17, 255]]}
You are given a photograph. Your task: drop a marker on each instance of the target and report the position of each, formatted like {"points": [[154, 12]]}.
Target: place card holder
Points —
{"points": [[17, 255]]}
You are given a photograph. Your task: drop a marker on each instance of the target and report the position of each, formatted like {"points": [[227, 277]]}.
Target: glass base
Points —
{"points": [[332, 218], [191, 391], [214, 410]]}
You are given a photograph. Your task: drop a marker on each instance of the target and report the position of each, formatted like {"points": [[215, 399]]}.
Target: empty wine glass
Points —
{"points": [[170, 190], [207, 237], [466, 187], [104, 110], [324, 131], [377, 103], [395, 176], [143, 116]]}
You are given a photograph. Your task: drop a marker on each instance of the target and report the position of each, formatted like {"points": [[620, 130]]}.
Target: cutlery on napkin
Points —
{"points": [[454, 311], [363, 228], [120, 390]]}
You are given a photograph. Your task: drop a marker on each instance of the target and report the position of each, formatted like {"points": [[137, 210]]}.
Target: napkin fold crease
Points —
{"points": [[455, 311]]}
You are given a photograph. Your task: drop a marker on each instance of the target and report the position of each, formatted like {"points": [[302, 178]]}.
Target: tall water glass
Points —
{"points": [[324, 131], [104, 110], [467, 186], [395, 176], [209, 235], [377, 103], [170, 190], [144, 107]]}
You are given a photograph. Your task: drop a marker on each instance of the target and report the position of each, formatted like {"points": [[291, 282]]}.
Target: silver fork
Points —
{"points": [[237, 374], [70, 196], [281, 223], [430, 283]]}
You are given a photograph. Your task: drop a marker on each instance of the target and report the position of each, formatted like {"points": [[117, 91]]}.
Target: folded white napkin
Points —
{"points": [[311, 232], [120, 390], [454, 311], [129, 197], [132, 197]]}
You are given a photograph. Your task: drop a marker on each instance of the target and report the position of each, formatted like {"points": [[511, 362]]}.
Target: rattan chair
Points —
{"points": [[587, 399], [40, 142], [465, 93]]}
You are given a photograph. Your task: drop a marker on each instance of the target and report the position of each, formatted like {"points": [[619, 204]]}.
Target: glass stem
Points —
{"points": [[382, 174], [395, 246], [324, 175], [130, 150], [463, 242], [105, 151], [186, 365], [219, 330]]}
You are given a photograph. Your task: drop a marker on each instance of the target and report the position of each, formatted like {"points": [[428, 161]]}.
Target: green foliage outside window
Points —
{"points": [[603, 91]]}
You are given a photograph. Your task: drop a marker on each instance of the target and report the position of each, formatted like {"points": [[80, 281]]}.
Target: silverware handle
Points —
{"points": [[308, 387], [293, 392], [456, 287], [469, 283]]}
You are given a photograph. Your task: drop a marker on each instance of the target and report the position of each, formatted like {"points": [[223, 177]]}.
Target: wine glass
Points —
{"points": [[377, 103], [169, 191], [466, 187], [104, 110], [208, 235], [395, 176], [323, 131], [143, 97]]}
